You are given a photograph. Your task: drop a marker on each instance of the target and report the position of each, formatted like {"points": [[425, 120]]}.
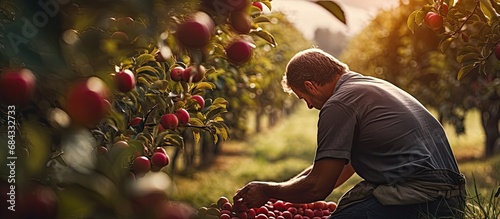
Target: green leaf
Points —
{"points": [[205, 85], [488, 10], [261, 19], [265, 36], [220, 101], [411, 21], [334, 9], [465, 70], [213, 112], [268, 4], [195, 122], [144, 58], [146, 69], [468, 56], [221, 129], [445, 43]]}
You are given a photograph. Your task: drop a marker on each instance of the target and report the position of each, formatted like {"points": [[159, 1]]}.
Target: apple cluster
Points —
{"points": [[273, 209], [191, 74], [141, 164]]}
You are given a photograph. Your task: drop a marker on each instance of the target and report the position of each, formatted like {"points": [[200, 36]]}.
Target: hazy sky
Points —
{"points": [[308, 16]]}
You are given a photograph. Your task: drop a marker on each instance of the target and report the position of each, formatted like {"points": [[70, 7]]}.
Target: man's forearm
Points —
{"points": [[296, 190], [303, 173]]}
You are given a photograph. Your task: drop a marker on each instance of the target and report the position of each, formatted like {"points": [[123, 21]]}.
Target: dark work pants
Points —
{"points": [[372, 209]]}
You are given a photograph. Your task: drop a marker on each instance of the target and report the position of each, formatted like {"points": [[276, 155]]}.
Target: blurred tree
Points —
{"points": [[388, 49], [324, 38]]}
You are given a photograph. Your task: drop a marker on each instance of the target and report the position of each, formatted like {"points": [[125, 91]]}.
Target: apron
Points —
{"points": [[426, 186]]}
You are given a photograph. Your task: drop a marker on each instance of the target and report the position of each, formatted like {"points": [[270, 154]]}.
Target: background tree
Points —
{"points": [[388, 49]]}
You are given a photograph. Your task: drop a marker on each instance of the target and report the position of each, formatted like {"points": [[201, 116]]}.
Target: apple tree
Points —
{"points": [[94, 94]]}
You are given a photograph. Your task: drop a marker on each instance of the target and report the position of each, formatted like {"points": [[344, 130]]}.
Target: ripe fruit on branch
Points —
{"points": [[120, 36], [196, 31], [86, 102], [182, 116], [194, 74], [124, 23], [200, 100], [125, 80], [135, 121], [17, 87], [258, 5], [159, 159], [160, 150], [176, 73], [240, 21], [444, 9], [38, 202], [102, 151], [239, 51], [497, 51], [433, 20], [169, 121], [141, 165]]}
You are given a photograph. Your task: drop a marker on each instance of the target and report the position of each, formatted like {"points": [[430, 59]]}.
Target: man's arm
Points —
{"points": [[303, 173], [322, 178], [347, 172]]}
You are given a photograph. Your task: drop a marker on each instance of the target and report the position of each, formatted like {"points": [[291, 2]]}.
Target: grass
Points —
{"points": [[281, 152]]}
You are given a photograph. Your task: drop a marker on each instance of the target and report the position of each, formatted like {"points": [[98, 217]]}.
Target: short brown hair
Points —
{"points": [[313, 65]]}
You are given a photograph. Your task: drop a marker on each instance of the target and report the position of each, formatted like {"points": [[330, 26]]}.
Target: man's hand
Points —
{"points": [[252, 194]]}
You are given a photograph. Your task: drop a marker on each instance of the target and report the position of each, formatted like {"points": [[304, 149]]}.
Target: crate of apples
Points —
{"points": [[273, 209]]}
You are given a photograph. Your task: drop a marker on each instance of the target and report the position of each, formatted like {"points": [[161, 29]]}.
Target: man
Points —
{"points": [[368, 126]]}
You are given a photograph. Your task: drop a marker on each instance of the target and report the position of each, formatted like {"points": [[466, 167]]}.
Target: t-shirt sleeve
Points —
{"points": [[336, 127]]}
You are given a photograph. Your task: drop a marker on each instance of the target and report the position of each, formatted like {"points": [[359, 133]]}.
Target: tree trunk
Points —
{"points": [[258, 117], [490, 115]]}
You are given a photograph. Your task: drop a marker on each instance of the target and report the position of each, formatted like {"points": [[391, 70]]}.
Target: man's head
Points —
{"points": [[309, 72]]}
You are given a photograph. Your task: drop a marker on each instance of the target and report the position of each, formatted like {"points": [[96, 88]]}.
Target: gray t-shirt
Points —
{"points": [[385, 132]]}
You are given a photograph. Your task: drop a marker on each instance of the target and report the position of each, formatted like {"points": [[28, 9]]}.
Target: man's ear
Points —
{"points": [[310, 87]]}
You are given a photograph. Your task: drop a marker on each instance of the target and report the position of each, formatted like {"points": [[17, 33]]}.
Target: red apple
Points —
{"points": [[120, 36], [194, 74], [160, 150], [433, 20], [125, 80], [176, 73], [331, 206], [221, 201], [101, 151], [196, 31], [262, 210], [159, 159], [141, 165], [135, 121], [240, 21], [444, 9], [200, 100], [287, 214], [258, 5], [261, 216], [239, 51], [86, 102], [17, 87], [38, 202], [497, 51], [124, 23], [169, 121], [279, 205], [182, 116]]}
